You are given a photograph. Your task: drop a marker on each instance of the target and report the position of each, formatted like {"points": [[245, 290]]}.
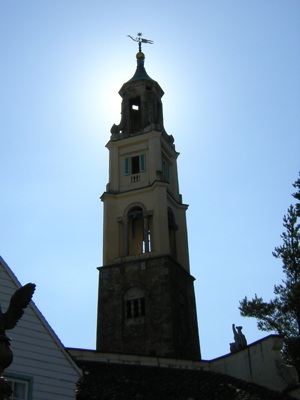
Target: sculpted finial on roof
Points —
{"points": [[240, 341], [8, 320]]}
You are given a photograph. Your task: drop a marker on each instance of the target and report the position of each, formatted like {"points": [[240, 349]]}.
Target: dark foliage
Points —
{"points": [[109, 381], [282, 314]]}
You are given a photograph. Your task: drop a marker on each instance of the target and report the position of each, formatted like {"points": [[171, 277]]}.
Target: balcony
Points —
{"points": [[135, 178]]}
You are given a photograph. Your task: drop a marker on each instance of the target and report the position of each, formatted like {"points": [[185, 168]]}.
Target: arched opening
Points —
{"points": [[135, 115], [137, 235], [135, 231]]}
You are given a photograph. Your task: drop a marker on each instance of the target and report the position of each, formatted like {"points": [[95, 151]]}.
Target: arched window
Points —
{"points": [[135, 231], [135, 228], [137, 235], [135, 115]]}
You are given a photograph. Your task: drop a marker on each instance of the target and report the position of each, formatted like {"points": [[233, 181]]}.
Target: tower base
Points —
{"points": [[147, 307]]}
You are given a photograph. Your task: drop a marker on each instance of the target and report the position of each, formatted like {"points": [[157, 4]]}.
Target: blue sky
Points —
{"points": [[230, 72]]}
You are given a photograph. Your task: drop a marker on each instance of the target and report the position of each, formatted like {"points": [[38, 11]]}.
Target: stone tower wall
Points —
{"points": [[168, 327]]}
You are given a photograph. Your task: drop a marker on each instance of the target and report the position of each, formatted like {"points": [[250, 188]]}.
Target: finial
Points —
{"points": [[140, 40]]}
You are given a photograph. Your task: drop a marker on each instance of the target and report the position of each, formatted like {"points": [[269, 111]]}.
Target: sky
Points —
{"points": [[230, 73]]}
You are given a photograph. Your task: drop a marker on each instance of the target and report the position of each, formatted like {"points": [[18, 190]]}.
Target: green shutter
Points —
{"points": [[126, 166], [142, 163]]}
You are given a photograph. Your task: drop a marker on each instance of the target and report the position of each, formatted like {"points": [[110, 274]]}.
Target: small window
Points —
{"points": [[135, 103], [135, 308], [134, 304], [145, 244], [20, 388], [135, 115], [134, 165]]}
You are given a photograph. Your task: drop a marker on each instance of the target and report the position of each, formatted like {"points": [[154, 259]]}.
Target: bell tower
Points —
{"points": [[146, 301]]}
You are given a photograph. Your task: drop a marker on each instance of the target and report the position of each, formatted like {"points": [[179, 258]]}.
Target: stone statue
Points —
{"points": [[240, 341], [18, 302], [8, 320]]}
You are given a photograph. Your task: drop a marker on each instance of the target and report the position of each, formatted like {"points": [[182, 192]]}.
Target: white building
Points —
{"points": [[41, 368]]}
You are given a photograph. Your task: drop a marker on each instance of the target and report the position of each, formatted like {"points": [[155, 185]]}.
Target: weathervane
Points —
{"points": [[140, 40]]}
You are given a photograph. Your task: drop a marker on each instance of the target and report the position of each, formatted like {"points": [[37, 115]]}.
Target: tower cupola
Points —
{"points": [[141, 105]]}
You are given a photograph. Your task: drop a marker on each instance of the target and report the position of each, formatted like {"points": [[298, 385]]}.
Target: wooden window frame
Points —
{"points": [[14, 379], [128, 164]]}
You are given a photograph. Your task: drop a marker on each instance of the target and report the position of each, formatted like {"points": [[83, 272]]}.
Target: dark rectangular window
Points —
{"points": [[135, 308], [135, 115], [134, 165], [22, 388], [128, 309]]}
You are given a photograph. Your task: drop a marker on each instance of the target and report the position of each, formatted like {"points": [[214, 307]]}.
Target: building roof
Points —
{"points": [[39, 356], [141, 75], [140, 72], [109, 381]]}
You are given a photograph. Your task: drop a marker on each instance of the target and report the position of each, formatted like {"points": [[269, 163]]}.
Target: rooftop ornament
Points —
{"points": [[240, 341], [140, 40]]}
